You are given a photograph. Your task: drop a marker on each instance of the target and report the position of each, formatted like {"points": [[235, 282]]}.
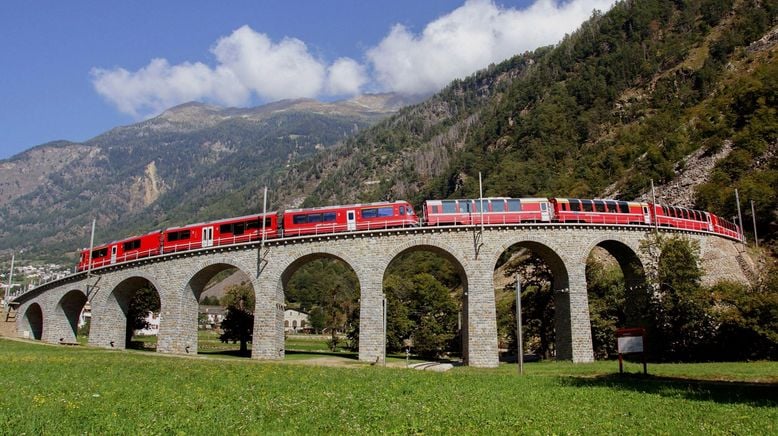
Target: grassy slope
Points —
{"points": [[48, 389]]}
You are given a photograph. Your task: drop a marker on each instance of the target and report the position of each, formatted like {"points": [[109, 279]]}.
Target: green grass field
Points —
{"points": [[46, 389]]}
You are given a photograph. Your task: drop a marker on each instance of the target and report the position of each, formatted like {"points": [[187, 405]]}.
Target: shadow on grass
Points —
{"points": [[731, 392], [227, 353], [313, 354]]}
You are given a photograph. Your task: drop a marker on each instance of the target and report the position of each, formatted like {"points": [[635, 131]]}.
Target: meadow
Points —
{"points": [[48, 389]]}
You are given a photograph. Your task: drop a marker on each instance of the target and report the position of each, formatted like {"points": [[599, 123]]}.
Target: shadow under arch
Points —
{"points": [[635, 283], [448, 255], [32, 327], [117, 305], [190, 300], [69, 310], [560, 285]]}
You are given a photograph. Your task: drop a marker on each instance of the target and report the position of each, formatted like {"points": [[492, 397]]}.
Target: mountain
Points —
{"points": [[681, 93], [191, 163]]}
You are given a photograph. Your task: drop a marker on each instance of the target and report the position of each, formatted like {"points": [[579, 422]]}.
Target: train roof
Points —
{"points": [[223, 220], [488, 198], [347, 206], [129, 238]]}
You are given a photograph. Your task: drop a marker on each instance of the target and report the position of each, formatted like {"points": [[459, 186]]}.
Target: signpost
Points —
{"points": [[631, 340]]}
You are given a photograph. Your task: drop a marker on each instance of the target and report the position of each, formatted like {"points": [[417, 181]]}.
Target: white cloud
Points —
{"points": [[345, 77], [249, 65], [470, 38]]}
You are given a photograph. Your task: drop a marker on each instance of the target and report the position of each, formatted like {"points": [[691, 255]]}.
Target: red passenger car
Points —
{"points": [[353, 217], [682, 218], [222, 232], [600, 211], [724, 227], [496, 210], [121, 251]]}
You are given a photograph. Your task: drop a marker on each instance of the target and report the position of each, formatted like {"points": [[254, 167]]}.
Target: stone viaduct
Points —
{"points": [[50, 312]]}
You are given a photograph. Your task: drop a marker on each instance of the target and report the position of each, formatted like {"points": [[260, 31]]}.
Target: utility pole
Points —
{"points": [[91, 247], [383, 303], [7, 296], [753, 217], [481, 199], [264, 211], [653, 207], [740, 217], [519, 336]]}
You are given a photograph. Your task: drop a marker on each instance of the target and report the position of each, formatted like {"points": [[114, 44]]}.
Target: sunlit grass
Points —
{"points": [[69, 390]]}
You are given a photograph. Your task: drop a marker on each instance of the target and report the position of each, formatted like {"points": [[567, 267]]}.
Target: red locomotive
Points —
{"points": [[383, 215]]}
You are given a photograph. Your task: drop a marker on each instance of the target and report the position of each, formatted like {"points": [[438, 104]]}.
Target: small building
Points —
{"points": [[153, 329], [295, 321], [211, 317]]}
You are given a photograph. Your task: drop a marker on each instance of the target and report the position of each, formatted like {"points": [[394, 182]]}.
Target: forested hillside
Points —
{"points": [[623, 100]]}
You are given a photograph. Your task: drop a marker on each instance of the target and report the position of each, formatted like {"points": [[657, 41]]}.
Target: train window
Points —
{"points": [[300, 219], [477, 206], [498, 205], [575, 206], [599, 206], [623, 206], [611, 206], [239, 228], [328, 217], [369, 213], [131, 245], [314, 218], [514, 205], [225, 228], [435, 209], [177, 236], [385, 211], [587, 205], [99, 253], [449, 206]]}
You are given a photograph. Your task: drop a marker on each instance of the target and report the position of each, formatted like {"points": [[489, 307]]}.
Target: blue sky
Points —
{"points": [[74, 69]]}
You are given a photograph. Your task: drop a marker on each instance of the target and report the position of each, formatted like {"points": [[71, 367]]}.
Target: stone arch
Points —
{"points": [[627, 257], [194, 285], [67, 314], [289, 268], [458, 260], [112, 322], [555, 262], [32, 323], [560, 286], [444, 250], [268, 339]]}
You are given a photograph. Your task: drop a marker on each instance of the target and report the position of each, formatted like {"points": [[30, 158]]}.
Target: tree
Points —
{"points": [[420, 308], [144, 301], [238, 325], [210, 300]]}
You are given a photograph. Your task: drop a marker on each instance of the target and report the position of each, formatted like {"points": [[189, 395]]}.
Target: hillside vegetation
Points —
{"points": [[623, 100]]}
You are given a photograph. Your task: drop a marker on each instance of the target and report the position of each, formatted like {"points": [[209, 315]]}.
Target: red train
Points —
{"points": [[371, 216], [294, 222]]}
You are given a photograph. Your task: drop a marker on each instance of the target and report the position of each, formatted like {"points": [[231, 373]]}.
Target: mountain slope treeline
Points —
{"points": [[622, 101]]}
